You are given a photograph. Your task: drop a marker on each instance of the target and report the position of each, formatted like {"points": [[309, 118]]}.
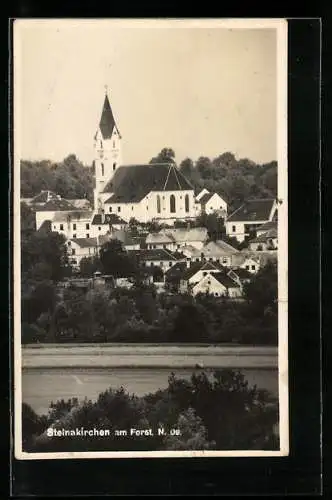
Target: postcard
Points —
{"points": [[150, 238]]}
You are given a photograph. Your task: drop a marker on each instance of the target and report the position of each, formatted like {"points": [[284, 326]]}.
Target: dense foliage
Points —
{"points": [[69, 178], [235, 180], [219, 412]]}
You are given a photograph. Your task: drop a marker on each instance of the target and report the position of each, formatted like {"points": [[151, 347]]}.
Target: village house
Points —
{"points": [[249, 217], [219, 251], [265, 241], [47, 211], [144, 192], [218, 285], [251, 265], [240, 275], [196, 272], [177, 238], [75, 224], [80, 248], [211, 203], [105, 223], [154, 258]]}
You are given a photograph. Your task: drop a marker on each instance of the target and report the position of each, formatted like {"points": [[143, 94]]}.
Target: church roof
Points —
{"points": [[130, 184], [107, 122]]}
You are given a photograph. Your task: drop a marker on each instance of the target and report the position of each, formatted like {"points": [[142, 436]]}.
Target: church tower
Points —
{"points": [[107, 152]]}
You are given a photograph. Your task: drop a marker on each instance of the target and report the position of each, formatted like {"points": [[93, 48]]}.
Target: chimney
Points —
{"points": [[188, 262]]}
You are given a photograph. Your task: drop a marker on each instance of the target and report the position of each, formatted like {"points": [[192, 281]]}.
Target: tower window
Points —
{"points": [[102, 170], [172, 203], [113, 144], [186, 202], [158, 204]]}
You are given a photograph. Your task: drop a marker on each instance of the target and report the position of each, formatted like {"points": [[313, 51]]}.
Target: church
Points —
{"points": [[148, 192]]}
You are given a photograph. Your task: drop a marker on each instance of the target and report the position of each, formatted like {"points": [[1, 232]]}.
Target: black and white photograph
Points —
{"points": [[150, 238]]}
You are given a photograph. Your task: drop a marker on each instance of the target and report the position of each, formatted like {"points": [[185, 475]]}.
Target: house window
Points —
{"points": [[233, 229], [87, 235], [172, 203], [99, 228], [170, 264], [247, 268], [224, 260], [69, 243], [216, 294], [102, 170], [210, 259], [73, 251], [197, 260], [114, 166], [151, 264], [253, 268], [204, 273], [87, 226], [164, 246], [154, 246], [119, 209], [186, 203], [74, 235], [110, 209], [209, 282], [61, 227], [74, 227], [158, 204]]}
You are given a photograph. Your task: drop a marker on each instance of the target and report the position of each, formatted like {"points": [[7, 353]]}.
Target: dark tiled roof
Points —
{"points": [[201, 266], [243, 274], [108, 219], [43, 196], [205, 198], [130, 184], [225, 280], [177, 270], [107, 122], [268, 225], [253, 210], [85, 242], [46, 227], [54, 205], [156, 254]]}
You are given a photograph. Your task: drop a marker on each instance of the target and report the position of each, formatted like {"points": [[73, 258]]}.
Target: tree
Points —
{"points": [[203, 166], [115, 260], [166, 155], [89, 265], [214, 224], [192, 433], [28, 219], [262, 291]]}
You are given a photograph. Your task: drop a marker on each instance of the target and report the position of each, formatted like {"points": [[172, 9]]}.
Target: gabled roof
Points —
{"points": [[99, 220], [272, 233], [218, 247], [243, 274], [225, 280], [184, 235], [130, 184], [55, 205], [125, 237], [72, 216], [107, 122], [155, 254], [273, 224], [44, 196], [159, 237], [46, 227], [177, 270], [201, 266], [205, 198], [81, 203], [253, 210], [85, 242]]}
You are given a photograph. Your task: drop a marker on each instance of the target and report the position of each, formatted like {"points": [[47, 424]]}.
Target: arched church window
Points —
{"points": [[186, 202], [158, 204], [114, 165], [172, 203], [102, 170]]}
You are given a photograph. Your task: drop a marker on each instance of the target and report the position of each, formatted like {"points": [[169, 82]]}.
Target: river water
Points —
{"points": [[42, 385]]}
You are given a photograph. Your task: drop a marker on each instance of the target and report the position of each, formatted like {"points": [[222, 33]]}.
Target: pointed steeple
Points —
{"points": [[107, 122]]}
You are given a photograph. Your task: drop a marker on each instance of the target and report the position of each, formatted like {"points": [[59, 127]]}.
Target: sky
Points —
{"points": [[197, 88]]}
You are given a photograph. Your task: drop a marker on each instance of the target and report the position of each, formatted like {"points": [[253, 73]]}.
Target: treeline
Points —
{"points": [[222, 413], [69, 178], [236, 180]]}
